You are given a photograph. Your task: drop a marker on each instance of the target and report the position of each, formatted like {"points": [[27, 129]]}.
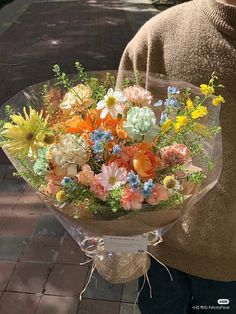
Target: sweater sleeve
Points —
{"points": [[144, 53]]}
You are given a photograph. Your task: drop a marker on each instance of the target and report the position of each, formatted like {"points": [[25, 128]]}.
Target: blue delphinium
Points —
{"points": [[147, 188], [159, 103], [172, 91], [66, 180], [171, 101], [133, 180], [116, 150], [100, 136], [98, 147], [163, 118]]}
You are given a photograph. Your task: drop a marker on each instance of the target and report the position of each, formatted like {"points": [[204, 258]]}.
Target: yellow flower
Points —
{"points": [[170, 182], [165, 126], [189, 104], [218, 100], [180, 122], [206, 89], [21, 134], [61, 196], [46, 138], [199, 112]]}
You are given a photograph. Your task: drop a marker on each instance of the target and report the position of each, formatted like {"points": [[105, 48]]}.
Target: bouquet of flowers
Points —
{"points": [[111, 161]]}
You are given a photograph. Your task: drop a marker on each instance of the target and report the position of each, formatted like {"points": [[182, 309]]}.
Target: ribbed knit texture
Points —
{"points": [[188, 42]]}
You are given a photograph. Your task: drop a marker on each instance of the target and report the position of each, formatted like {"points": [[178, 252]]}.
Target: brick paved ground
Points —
{"points": [[40, 269]]}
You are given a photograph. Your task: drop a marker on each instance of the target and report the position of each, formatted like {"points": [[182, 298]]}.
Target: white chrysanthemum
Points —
{"points": [[70, 152], [112, 103]]}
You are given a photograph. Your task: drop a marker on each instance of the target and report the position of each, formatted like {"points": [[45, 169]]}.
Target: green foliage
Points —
{"points": [[99, 91], [28, 174], [61, 77], [83, 76], [174, 201], [196, 177], [115, 197], [8, 112], [77, 192]]}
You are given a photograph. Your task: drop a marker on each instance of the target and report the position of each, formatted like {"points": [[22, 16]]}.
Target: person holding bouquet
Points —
{"points": [[188, 42]]}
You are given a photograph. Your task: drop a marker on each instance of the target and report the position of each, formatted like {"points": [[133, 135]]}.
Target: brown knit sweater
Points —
{"points": [[188, 42]]}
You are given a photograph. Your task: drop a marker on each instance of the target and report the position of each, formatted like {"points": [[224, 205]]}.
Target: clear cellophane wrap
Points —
{"points": [[88, 233]]}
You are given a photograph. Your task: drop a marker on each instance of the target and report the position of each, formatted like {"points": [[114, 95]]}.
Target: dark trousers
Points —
{"points": [[186, 294]]}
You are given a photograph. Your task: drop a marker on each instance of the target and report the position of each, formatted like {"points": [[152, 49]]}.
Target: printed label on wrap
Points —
{"points": [[117, 244]]}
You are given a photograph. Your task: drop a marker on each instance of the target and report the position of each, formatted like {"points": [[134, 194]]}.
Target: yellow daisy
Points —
{"points": [[21, 134]]}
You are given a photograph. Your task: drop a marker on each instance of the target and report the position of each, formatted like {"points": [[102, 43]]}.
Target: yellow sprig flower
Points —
{"points": [[207, 89], [218, 100], [165, 126], [190, 104], [180, 122], [199, 112]]}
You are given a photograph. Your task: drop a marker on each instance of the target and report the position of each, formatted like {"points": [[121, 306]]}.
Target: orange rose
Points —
{"points": [[146, 163]]}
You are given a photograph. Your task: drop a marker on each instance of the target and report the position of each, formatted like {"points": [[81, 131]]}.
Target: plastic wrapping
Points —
{"points": [[117, 267]]}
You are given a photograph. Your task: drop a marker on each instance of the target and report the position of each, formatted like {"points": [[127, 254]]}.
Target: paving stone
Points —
{"points": [[6, 269], [11, 247], [48, 225], [3, 170], [57, 305], [130, 291], [70, 252], [41, 249], [66, 280], [18, 303], [28, 277], [127, 308], [19, 226], [10, 192], [100, 289], [98, 307], [29, 204]]}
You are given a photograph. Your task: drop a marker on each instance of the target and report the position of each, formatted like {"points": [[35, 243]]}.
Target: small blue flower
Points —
{"points": [[97, 135], [172, 91], [98, 147], [66, 180], [164, 116], [116, 150], [159, 103], [147, 188], [172, 102], [100, 135], [133, 180], [106, 136]]}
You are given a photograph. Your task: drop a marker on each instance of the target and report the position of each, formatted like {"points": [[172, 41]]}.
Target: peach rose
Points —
{"points": [[145, 163]]}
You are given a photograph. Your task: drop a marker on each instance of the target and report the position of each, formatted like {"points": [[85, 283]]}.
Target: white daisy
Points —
{"points": [[112, 176], [112, 103]]}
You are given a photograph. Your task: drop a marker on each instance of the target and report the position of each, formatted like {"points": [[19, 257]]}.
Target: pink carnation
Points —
{"points": [[98, 189], [127, 153], [132, 199], [176, 154], [52, 188], [159, 193], [85, 176], [138, 95]]}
